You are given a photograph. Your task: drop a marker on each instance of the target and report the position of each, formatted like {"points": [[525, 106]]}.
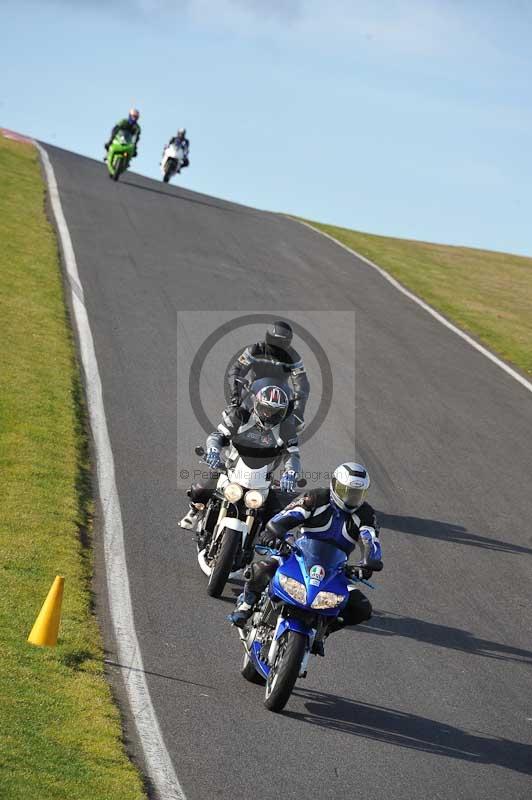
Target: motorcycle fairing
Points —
{"points": [[313, 553], [121, 147], [308, 553], [248, 476], [173, 153]]}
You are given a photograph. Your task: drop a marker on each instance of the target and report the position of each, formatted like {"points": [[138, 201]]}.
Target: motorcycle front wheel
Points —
{"points": [[117, 170], [249, 672], [223, 563], [170, 167], [285, 671]]}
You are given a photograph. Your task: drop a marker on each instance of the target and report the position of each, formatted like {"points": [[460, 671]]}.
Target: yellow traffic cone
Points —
{"points": [[46, 627]]}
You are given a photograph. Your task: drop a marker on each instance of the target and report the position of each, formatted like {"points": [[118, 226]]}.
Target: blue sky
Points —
{"points": [[408, 118]]}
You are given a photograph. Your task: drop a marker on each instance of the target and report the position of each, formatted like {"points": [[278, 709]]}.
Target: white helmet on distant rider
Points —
{"points": [[349, 485], [181, 134], [134, 115]]}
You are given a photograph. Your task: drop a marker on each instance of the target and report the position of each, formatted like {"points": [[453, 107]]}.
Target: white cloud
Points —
{"points": [[409, 26], [417, 28], [401, 27]]}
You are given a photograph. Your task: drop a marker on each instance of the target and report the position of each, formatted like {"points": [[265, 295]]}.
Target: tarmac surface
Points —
{"points": [[432, 698]]}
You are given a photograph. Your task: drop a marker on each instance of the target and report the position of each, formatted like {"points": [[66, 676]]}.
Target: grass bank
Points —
{"points": [[60, 735], [485, 293]]}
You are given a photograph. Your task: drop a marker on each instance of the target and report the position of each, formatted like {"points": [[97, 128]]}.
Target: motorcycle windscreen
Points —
{"points": [[123, 137], [318, 553], [248, 476], [255, 457]]}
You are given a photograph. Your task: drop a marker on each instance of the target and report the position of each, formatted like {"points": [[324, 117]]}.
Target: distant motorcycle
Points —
{"points": [[308, 590], [173, 160], [119, 154], [232, 519]]}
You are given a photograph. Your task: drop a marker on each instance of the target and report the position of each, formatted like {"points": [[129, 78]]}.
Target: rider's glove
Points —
{"points": [[300, 422], [372, 546], [270, 539], [106, 145], [288, 481], [213, 458]]}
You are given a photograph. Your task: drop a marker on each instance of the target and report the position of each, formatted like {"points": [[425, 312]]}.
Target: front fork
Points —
{"points": [[221, 516], [283, 627], [250, 520]]}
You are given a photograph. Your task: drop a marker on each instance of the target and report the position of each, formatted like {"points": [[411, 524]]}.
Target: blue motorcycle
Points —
{"points": [[309, 589]]}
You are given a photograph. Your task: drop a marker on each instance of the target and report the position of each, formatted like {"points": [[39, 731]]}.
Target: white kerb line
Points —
{"points": [[158, 763], [481, 349]]}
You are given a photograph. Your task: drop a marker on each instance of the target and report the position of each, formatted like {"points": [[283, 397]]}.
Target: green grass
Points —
{"points": [[60, 734], [485, 293]]}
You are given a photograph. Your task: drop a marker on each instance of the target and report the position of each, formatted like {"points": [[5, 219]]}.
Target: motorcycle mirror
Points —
{"points": [[199, 450], [302, 482]]}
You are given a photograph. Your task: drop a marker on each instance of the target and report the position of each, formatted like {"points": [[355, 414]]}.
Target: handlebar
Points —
{"points": [[283, 550], [353, 572], [301, 482], [373, 564], [200, 451]]}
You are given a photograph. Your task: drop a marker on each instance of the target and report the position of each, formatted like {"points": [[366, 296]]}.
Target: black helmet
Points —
{"points": [[279, 335], [270, 402]]}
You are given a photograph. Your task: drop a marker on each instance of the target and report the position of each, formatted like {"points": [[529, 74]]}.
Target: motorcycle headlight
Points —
{"points": [[294, 588], [327, 600], [253, 499], [233, 492]]}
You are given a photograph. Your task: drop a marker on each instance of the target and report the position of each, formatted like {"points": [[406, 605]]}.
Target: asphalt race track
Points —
{"points": [[433, 698]]}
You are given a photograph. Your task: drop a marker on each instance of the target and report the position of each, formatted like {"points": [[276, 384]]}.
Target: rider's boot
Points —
{"points": [[191, 519], [318, 648], [318, 645], [244, 609]]}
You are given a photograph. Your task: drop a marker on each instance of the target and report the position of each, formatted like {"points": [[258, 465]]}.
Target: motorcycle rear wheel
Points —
{"points": [[285, 671], [223, 564]]}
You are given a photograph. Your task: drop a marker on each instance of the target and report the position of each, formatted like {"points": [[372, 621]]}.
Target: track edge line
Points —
{"points": [[157, 759], [429, 309]]}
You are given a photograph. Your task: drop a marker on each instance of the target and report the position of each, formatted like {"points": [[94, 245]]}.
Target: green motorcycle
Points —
{"points": [[119, 154]]}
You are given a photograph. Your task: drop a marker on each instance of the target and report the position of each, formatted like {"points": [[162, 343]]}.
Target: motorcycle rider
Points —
{"points": [[337, 514], [129, 124], [272, 357], [180, 140], [263, 431]]}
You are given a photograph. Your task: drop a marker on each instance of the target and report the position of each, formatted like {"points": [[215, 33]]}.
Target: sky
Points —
{"points": [[408, 118]]}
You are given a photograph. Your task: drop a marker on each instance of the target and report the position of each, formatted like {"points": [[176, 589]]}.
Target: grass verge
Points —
{"points": [[60, 734], [485, 293]]}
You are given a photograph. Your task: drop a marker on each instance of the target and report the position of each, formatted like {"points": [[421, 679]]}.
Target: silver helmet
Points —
{"points": [[270, 403]]}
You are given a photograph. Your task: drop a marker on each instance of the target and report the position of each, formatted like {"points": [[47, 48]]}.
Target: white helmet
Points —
{"points": [[349, 484]]}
